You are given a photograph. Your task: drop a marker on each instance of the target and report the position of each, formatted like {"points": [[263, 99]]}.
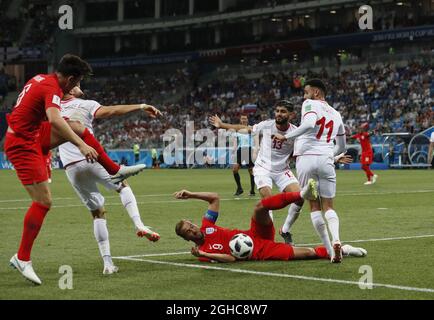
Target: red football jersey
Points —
{"points": [[216, 238], [40, 93], [364, 141]]}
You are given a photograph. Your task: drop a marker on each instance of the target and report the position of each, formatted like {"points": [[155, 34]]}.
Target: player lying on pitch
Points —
{"points": [[212, 241], [85, 176]]}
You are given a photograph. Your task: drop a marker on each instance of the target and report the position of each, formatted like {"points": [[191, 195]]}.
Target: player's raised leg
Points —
{"points": [[130, 204], [120, 172]]}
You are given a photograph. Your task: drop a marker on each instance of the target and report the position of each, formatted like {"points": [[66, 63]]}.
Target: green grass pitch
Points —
{"points": [[400, 206]]}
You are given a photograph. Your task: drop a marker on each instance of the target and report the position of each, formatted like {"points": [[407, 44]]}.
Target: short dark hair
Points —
{"points": [[72, 65], [317, 83], [286, 104]]}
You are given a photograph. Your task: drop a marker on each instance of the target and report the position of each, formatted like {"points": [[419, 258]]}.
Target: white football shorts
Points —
{"points": [[84, 177], [319, 168], [265, 178]]}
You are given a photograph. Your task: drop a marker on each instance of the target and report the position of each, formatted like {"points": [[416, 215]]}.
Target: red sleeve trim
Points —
{"points": [[96, 111], [308, 113]]}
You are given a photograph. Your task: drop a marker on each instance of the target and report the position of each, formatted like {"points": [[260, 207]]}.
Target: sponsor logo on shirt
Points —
{"points": [[38, 78], [209, 230]]}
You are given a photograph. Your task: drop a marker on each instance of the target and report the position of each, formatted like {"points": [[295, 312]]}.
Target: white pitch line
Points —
{"points": [[344, 194], [120, 204], [301, 244], [190, 200], [281, 275]]}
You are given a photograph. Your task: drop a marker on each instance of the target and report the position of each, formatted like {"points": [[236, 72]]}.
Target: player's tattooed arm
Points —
{"points": [[218, 123], [220, 257], [211, 197]]}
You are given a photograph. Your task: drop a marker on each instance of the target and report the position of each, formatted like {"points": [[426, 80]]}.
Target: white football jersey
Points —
{"points": [[273, 154], [319, 140], [79, 110]]}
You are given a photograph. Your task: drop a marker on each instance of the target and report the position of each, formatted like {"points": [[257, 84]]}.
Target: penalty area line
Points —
{"points": [[280, 275]]}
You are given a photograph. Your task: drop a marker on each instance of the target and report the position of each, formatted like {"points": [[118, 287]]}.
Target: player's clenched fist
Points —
{"points": [[183, 194]]}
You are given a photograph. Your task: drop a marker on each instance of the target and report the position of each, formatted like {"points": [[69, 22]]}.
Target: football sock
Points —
{"points": [[252, 183], [321, 252], [333, 224], [130, 204], [321, 228], [280, 200], [237, 180], [103, 158], [368, 172], [102, 237], [32, 224], [293, 213]]}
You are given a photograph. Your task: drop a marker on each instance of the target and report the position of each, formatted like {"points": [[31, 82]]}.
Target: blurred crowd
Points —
{"points": [[391, 99]]}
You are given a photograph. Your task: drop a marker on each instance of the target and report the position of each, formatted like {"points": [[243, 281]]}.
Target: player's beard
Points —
{"points": [[282, 121]]}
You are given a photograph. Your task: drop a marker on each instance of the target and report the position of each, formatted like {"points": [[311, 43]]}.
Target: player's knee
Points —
{"points": [[235, 168], [46, 200]]}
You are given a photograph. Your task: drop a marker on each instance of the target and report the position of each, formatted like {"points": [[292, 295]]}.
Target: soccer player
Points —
{"points": [[320, 126], [34, 127], [271, 165], [367, 154], [84, 176], [212, 241], [244, 144]]}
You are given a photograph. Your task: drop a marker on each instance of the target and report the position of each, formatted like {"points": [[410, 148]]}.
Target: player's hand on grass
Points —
{"points": [[215, 121], [183, 194], [278, 137], [151, 111], [196, 252], [89, 152]]}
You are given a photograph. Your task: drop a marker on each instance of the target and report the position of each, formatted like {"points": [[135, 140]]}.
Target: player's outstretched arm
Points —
{"points": [[119, 110], [211, 197], [218, 123], [65, 131], [220, 257]]}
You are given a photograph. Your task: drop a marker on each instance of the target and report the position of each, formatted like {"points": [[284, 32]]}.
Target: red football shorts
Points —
{"points": [[266, 248], [28, 156], [366, 158]]}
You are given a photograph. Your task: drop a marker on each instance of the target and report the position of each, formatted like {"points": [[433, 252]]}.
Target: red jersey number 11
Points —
{"points": [[322, 124]]}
